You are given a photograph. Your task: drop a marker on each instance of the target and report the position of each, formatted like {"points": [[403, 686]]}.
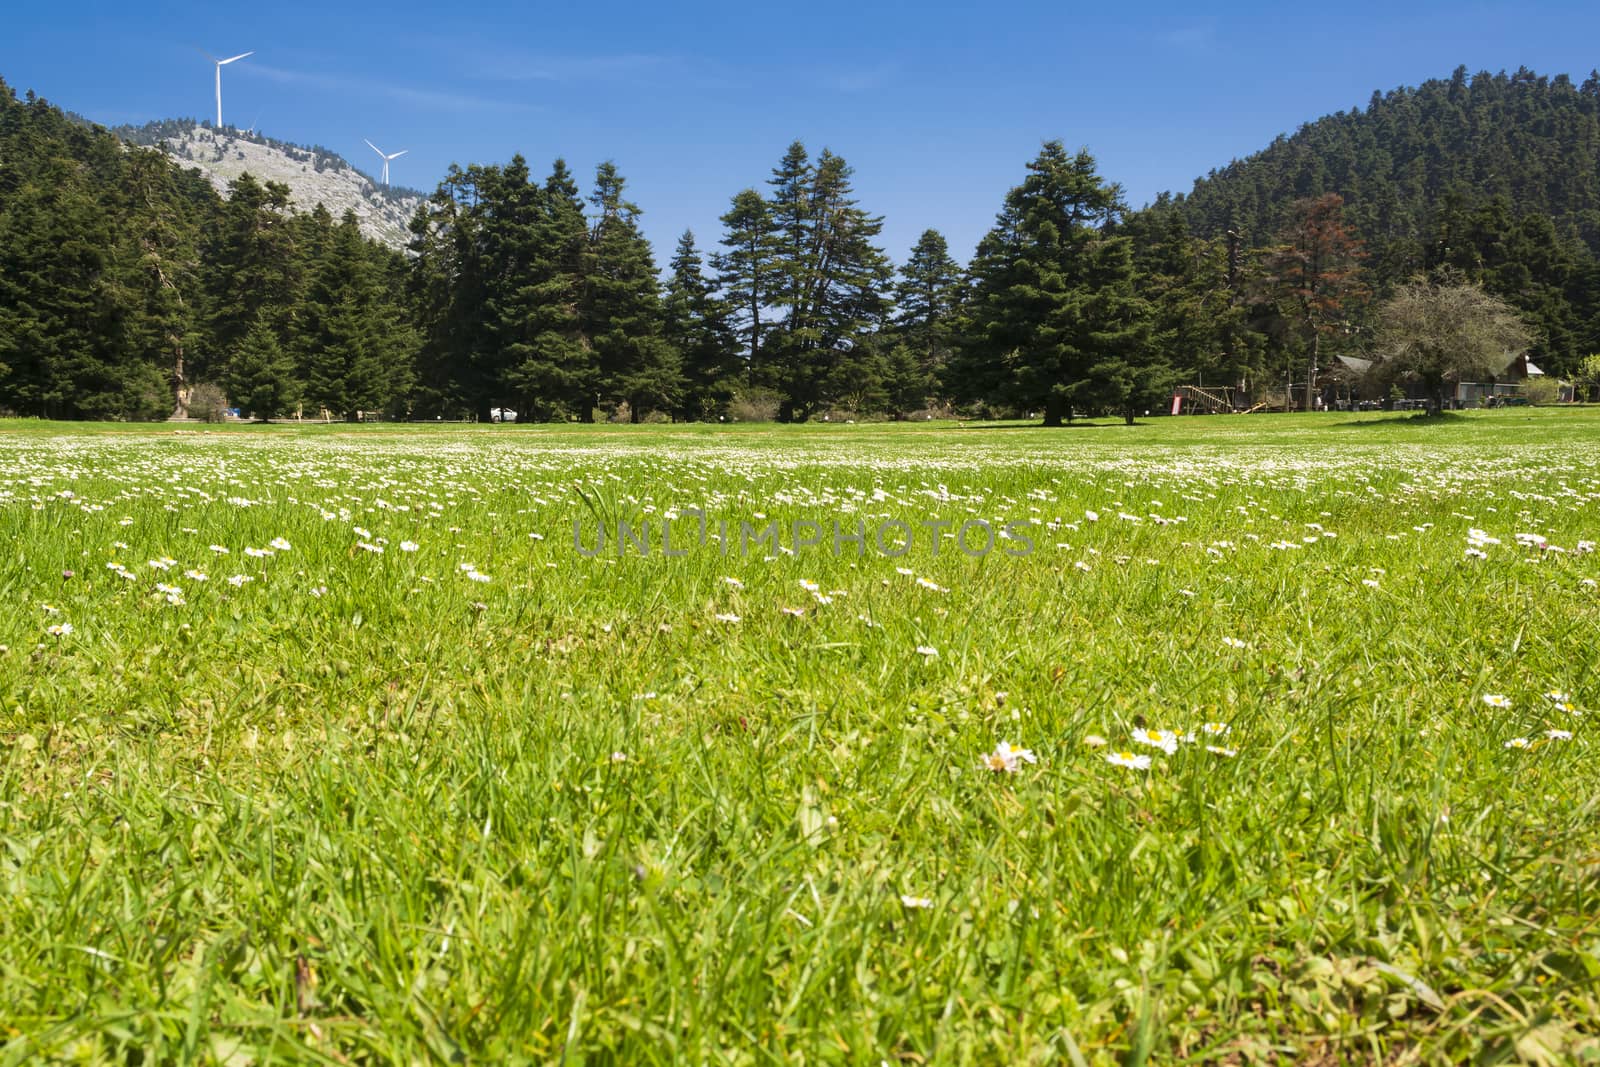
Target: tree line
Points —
{"points": [[129, 289]]}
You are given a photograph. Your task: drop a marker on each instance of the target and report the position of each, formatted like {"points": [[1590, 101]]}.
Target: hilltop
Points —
{"points": [[313, 174]]}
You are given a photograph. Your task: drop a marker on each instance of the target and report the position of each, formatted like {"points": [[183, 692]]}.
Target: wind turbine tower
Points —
{"points": [[220, 64], [386, 159]]}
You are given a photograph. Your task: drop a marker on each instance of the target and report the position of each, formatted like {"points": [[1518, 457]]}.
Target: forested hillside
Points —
{"points": [[1530, 139], [124, 280]]}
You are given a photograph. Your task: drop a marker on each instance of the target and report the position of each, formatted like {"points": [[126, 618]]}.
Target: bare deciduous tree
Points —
{"points": [[1444, 330]]}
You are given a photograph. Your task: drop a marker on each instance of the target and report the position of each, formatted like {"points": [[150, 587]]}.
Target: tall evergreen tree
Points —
{"points": [[926, 301], [1053, 311], [553, 363], [832, 284], [260, 376], [748, 271], [699, 325], [623, 307], [253, 270]]}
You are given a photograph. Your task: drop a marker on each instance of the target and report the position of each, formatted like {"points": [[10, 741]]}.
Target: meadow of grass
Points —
{"points": [[270, 794]]}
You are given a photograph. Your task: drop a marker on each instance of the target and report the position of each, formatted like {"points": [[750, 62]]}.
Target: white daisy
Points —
{"points": [[1008, 759]]}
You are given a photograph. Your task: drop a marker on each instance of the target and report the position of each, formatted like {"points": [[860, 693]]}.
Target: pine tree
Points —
{"points": [[832, 282], [699, 325], [345, 370], [926, 301], [253, 270], [748, 272], [622, 312], [260, 376], [1053, 311], [1316, 276], [553, 367]]}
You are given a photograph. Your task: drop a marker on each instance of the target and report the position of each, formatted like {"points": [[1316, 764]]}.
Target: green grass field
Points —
{"points": [[480, 797]]}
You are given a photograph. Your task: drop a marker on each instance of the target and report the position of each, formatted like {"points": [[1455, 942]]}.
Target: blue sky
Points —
{"points": [[937, 105]]}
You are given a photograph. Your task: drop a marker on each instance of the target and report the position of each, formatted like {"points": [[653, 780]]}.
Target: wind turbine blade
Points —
{"points": [[203, 52], [235, 59], [398, 154], [374, 147]]}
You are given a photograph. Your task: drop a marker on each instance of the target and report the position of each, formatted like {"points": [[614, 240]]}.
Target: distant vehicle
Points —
{"points": [[502, 415], [1506, 402]]}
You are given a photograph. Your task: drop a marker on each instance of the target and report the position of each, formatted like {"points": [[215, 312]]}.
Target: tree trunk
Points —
{"points": [[1311, 370], [180, 387], [1053, 408], [1127, 415]]}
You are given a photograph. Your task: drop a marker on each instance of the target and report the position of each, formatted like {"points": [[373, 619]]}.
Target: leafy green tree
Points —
{"points": [[554, 368], [907, 381], [348, 367], [832, 282], [253, 269]]}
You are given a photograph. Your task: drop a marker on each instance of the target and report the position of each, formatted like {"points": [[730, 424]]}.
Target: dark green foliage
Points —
{"points": [[927, 300], [699, 325], [830, 288], [124, 280], [1497, 175], [622, 309], [748, 271], [1055, 321], [260, 376]]}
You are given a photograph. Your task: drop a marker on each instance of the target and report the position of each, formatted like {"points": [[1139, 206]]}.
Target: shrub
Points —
{"points": [[1542, 390], [754, 405], [656, 417], [207, 403]]}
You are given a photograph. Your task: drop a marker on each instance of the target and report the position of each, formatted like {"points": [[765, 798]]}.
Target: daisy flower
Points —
{"points": [[727, 617], [1559, 735], [1008, 759], [916, 902], [1216, 729], [1517, 742], [1165, 740], [280, 544], [1095, 741], [927, 650], [1128, 759], [1497, 700], [1218, 750]]}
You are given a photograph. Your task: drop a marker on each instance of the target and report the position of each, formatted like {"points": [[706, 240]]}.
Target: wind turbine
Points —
{"points": [[386, 159], [220, 64]]}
